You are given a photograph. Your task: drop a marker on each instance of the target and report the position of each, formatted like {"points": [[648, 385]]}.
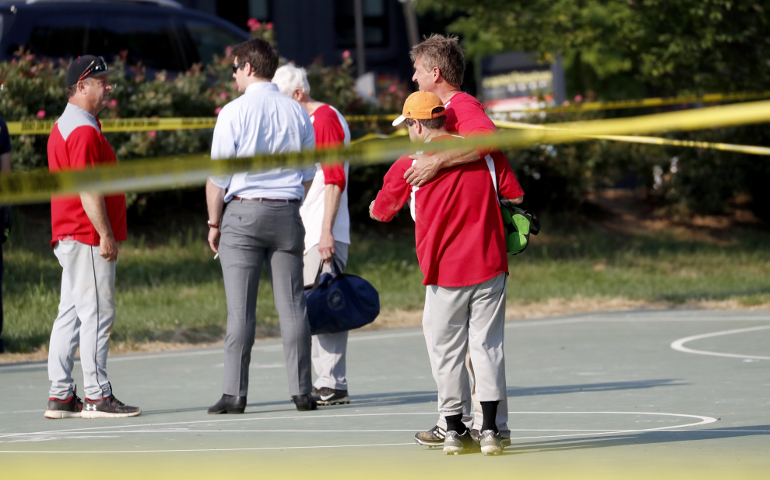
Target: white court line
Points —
{"points": [[211, 449], [305, 430], [361, 337], [679, 344], [197, 422], [703, 421]]}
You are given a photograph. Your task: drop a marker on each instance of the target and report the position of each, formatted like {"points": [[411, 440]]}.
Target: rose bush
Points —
{"points": [[555, 177]]}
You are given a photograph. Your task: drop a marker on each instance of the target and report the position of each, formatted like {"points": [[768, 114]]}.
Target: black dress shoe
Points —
{"points": [[229, 404], [304, 402]]}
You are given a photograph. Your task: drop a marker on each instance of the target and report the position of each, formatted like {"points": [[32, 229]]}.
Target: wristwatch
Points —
{"points": [[212, 224]]}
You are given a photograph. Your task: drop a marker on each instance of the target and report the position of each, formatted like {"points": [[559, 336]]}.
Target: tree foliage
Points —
{"points": [[619, 48]]}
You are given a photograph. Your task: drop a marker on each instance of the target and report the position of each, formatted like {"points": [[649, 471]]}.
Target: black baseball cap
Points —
{"points": [[87, 66]]}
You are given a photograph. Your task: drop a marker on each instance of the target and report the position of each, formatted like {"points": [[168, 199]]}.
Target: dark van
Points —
{"points": [[158, 33]]}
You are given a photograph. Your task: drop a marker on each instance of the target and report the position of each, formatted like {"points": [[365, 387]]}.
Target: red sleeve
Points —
{"points": [[328, 131], [472, 121], [477, 123], [84, 148], [395, 191], [334, 173], [508, 184]]}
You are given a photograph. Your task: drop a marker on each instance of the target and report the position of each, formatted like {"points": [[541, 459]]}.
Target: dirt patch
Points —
{"points": [[635, 213], [397, 318]]}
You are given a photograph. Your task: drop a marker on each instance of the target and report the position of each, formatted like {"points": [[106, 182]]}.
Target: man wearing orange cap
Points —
{"points": [[439, 64], [461, 249]]}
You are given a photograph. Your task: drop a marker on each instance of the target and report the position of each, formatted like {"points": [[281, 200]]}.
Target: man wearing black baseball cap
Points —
{"points": [[86, 229]]}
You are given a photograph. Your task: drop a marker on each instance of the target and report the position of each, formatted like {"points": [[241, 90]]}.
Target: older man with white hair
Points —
{"points": [[327, 227]]}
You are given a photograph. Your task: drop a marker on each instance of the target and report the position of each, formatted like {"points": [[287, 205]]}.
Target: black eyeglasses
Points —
{"points": [[238, 65], [94, 67]]}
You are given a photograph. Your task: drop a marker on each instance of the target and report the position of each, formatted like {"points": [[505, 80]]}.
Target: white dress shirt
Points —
{"points": [[263, 120]]}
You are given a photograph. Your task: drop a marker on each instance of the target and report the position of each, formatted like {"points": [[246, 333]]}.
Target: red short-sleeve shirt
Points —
{"points": [[77, 142], [329, 133], [458, 227]]}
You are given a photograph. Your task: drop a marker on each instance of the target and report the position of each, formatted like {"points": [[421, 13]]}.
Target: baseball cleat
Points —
{"points": [[431, 438], [69, 408], [491, 443], [476, 436], [457, 444], [330, 396], [108, 407]]}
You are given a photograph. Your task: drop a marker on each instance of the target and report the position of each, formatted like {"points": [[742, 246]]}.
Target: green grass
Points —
{"points": [[171, 289]]}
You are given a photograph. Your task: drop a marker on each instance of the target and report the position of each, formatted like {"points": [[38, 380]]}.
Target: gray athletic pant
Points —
{"points": [[329, 349], [86, 316], [254, 232], [465, 325]]}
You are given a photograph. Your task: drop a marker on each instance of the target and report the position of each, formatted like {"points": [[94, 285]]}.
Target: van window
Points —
{"points": [[61, 36], [210, 39], [150, 40]]}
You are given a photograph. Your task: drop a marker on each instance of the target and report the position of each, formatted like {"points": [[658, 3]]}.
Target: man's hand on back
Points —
{"points": [[424, 169], [427, 166]]}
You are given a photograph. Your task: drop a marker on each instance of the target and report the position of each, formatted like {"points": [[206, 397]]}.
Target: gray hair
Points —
{"points": [[289, 78]]}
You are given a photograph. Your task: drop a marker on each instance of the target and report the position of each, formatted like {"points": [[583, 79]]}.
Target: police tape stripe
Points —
{"points": [[726, 147], [119, 125], [380, 136], [172, 172], [644, 103], [112, 125], [371, 118]]}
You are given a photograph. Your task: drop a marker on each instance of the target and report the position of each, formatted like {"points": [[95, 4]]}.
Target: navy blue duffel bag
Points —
{"points": [[337, 302]]}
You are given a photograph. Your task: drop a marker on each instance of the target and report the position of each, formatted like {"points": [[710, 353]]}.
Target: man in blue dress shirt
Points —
{"points": [[254, 218]]}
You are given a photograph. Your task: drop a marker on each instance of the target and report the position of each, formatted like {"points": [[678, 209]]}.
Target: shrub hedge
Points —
{"points": [[555, 177]]}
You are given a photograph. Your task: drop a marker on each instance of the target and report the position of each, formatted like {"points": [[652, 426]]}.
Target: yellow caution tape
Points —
{"points": [[119, 125], [727, 147], [173, 172], [110, 125], [647, 102], [371, 118], [380, 136]]}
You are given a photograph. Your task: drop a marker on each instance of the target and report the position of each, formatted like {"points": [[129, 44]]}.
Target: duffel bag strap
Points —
{"points": [[318, 276]]}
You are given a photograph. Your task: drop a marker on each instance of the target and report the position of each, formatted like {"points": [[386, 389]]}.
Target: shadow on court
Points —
{"points": [[592, 387], [418, 397], [641, 438]]}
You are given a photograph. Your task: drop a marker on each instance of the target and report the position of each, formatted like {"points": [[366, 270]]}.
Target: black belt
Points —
{"points": [[294, 200]]}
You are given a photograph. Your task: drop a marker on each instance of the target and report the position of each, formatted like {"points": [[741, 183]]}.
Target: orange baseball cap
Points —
{"points": [[421, 106]]}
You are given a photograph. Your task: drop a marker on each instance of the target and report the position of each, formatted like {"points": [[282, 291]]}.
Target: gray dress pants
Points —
{"points": [[254, 232]]}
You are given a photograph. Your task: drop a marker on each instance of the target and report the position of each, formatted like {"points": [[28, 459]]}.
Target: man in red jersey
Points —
{"points": [[439, 64], [461, 249], [327, 227], [86, 231]]}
